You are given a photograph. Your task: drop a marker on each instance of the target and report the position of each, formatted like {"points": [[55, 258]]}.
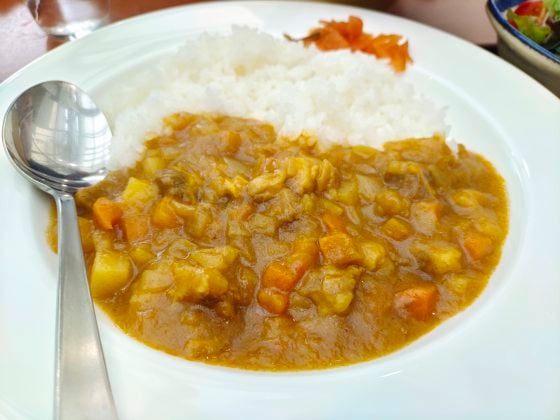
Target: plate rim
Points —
{"points": [[202, 5]]}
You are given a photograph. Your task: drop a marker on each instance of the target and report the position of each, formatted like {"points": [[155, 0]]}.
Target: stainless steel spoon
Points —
{"points": [[58, 139]]}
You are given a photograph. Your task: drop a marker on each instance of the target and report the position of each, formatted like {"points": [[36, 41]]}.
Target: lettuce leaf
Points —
{"points": [[530, 27], [553, 7]]}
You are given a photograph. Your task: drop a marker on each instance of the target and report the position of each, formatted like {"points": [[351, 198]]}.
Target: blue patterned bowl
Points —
{"points": [[520, 50]]}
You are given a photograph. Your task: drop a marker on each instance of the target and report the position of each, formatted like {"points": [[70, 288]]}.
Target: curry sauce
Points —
{"points": [[229, 245]]}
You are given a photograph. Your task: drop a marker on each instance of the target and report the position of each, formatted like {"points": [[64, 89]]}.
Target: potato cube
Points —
{"points": [[330, 207], [368, 187], [308, 203], [219, 258], [139, 193], [391, 202], [330, 288], [142, 302], [326, 175], [260, 223], [156, 280], [488, 228], [458, 284], [196, 283], [184, 210], [136, 227], [217, 283], [338, 302], [468, 198], [348, 192], [396, 229], [102, 239], [141, 255], [425, 215], [191, 282], [164, 215], [445, 259], [110, 272], [264, 187], [199, 222], [152, 164], [209, 259], [337, 290], [374, 254]]}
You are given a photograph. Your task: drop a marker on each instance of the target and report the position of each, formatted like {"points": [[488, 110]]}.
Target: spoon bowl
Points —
{"points": [[58, 139], [55, 135]]}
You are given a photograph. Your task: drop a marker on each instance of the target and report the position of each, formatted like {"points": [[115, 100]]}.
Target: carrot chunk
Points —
{"points": [[478, 246], [339, 249], [331, 40], [418, 301], [106, 213], [335, 35], [354, 28], [278, 276], [306, 255], [273, 301]]}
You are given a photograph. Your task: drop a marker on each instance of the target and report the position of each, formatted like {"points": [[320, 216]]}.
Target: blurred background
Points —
{"points": [[22, 40], [465, 18]]}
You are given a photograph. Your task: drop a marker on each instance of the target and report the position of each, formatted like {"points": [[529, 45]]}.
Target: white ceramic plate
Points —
{"points": [[498, 359]]}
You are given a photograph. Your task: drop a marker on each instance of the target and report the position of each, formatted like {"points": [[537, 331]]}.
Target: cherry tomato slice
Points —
{"points": [[530, 8]]}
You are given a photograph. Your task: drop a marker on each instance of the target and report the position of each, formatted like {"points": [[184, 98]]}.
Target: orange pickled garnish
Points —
{"points": [[335, 35]]}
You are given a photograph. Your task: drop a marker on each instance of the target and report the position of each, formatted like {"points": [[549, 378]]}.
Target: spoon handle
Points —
{"points": [[82, 389]]}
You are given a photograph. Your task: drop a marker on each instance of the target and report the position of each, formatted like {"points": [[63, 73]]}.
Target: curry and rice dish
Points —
{"points": [[304, 213], [229, 245]]}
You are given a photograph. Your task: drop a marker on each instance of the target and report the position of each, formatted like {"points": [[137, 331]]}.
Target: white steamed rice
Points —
{"points": [[337, 96]]}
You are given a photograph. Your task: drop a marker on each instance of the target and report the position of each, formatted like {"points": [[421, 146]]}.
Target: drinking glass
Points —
{"points": [[69, 18]]}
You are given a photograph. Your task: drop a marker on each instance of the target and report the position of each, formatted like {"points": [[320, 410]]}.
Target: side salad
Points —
{"points": [[539, 21]]}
